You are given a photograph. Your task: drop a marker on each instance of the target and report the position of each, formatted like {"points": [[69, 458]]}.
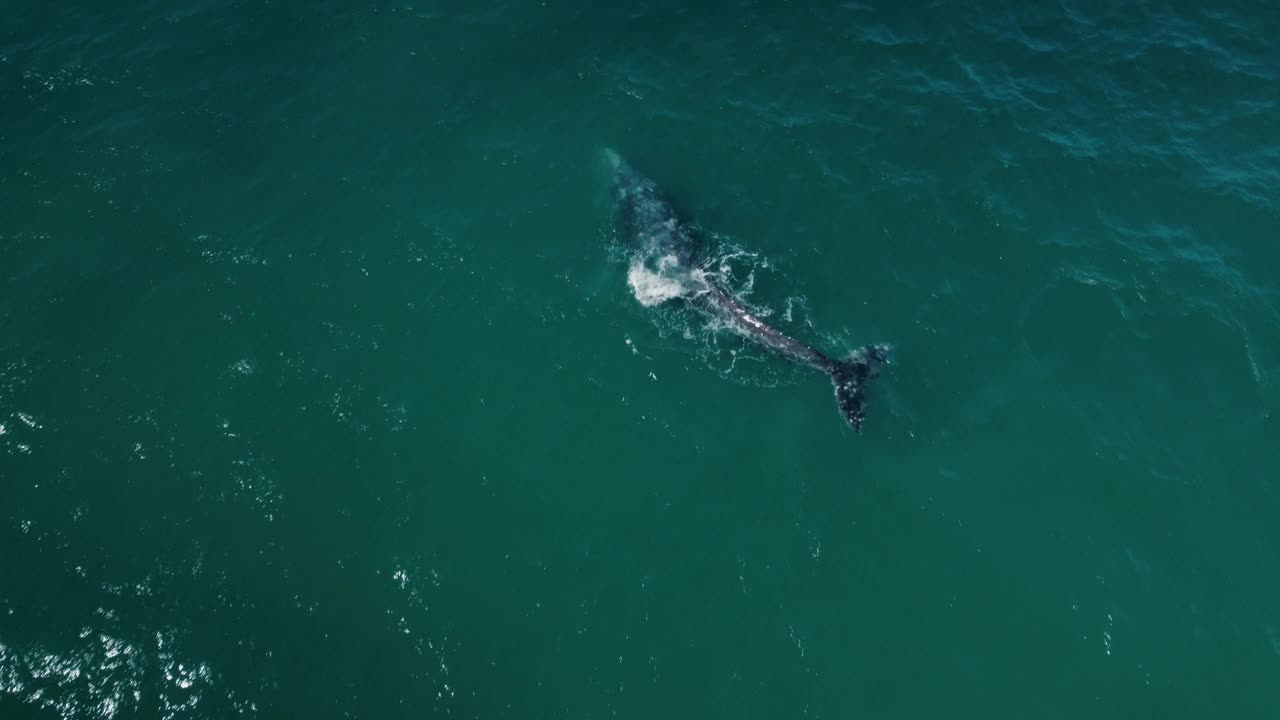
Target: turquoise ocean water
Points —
{"points": [[323, 393]]}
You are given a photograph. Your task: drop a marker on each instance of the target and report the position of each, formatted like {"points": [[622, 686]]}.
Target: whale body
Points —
{"points": [[667, 253]]}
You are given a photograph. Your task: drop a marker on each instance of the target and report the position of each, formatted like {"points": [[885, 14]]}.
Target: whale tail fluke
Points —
{"points": [[850, 378]]}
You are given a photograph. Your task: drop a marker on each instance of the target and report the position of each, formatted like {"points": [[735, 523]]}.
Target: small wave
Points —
{"points": [[105, 675]]}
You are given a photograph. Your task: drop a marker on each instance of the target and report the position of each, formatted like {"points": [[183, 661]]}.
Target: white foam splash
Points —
{"points": [[656, 279], [667, 281]]}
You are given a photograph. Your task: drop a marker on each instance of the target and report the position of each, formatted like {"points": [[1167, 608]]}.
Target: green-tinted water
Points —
{"points": [[323, 394]]}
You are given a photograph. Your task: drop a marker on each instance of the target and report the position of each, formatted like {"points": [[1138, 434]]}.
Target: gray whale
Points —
{"points": [[669, 248]]}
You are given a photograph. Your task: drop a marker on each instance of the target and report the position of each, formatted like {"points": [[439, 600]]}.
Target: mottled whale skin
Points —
{"points": [[656, 233]]}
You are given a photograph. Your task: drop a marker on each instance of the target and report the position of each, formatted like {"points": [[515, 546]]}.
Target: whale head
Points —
{"points": [[646, 221]]}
